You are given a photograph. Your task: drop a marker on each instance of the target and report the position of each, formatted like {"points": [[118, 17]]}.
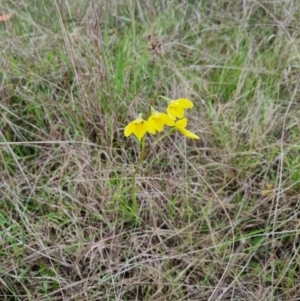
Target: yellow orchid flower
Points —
{"points": [[138, 127], [176, 107], [180, 126], [157, 121]]}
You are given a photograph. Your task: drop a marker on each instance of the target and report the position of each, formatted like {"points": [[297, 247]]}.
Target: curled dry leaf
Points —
{"points": [[5, 17]]}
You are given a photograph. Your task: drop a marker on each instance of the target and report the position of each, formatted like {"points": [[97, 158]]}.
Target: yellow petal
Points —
{"points": [[174, 111], [129, 129], [267, 192], [167, 120], [170, 113], [159, 124], [140, 129], [185, 103], [187, 133], [152, 127], [181, 123]]}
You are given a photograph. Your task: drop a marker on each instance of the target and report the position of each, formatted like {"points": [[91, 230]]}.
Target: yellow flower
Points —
{"points": [[176, 107], [270, 190], [180, 126], [138, 127], [157, 121]]}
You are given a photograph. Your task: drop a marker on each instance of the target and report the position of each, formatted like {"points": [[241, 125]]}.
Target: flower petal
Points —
{"points": [[167, 119], [174, 111], [181, 123], [138, 127], [141, 129], [187, 133], [185, 103], [129, 129], [170, 112], [152, 125], [159, 123]]}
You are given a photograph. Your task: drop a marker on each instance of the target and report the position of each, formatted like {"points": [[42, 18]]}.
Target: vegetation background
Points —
{"points": [[217, 219]]}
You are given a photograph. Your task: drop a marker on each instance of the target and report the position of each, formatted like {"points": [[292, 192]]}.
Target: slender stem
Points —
{"points": [[142, 155], [161, 138], [143, 144], [141, 158], [163, 97], [134, 204], [144, 152]]}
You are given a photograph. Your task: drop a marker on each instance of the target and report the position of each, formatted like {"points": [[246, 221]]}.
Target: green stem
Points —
{"points": [[143, 144], [163, 97], [142, 155], [161, 138], [141, 158]]}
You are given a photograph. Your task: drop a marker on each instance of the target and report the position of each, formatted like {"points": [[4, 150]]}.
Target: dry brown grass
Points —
{"points": [[217, 219]]}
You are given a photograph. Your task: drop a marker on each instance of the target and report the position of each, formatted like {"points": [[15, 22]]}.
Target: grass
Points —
{"points": [[216, 219]]}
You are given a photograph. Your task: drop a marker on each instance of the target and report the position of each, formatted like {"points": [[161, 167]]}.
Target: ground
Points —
{"points": [[212, 219]]}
